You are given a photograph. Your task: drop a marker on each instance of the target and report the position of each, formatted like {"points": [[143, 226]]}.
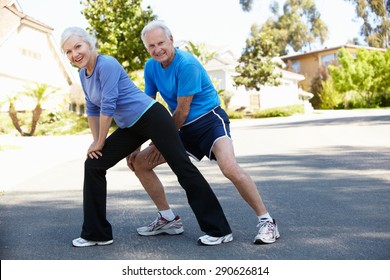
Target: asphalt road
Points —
{"points": [[324, 177]]}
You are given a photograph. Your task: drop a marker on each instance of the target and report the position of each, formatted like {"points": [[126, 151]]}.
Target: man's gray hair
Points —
{"points": [[154, 25], [83, 34]]}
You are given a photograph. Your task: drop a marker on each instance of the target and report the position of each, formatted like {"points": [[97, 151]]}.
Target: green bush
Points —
{"points": [[8, 147], [384, 99], [357, 100], [279, 111], [234, 114], [63, 123], [6, 123], [330, 97]]}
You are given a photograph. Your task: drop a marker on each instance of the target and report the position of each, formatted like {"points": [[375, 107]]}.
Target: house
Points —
{"points": [[221, 69], [309, 63], [29, 55]]}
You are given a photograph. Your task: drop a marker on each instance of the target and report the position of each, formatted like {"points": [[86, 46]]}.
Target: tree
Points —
{"points": [[383, 70], [376, 24], [317, 86], [39, 94], [200, 51], [330, 97], [367, 74], [297, 28], [256, 65], [246, 5], [13, 114], [226, 96], [117, 25]]}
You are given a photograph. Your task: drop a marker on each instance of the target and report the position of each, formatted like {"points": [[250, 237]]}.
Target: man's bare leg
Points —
{"points": [[224, 152], [143, 169]]}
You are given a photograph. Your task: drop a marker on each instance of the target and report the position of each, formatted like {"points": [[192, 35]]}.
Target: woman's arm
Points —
{"points": [[99, 127], [93, 123]]}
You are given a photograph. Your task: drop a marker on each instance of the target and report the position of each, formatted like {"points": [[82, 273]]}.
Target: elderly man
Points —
{"points": [[203, 127]]}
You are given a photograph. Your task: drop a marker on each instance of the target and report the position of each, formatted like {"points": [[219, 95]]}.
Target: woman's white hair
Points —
{"points": [[154, 25], [82, 33]]}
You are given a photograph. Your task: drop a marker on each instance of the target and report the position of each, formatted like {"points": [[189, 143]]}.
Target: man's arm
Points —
{"points": [[183, 109]]}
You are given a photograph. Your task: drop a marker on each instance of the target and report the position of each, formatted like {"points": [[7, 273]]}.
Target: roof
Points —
{"points": [[12, 17], [14, 7], [326, 49]]}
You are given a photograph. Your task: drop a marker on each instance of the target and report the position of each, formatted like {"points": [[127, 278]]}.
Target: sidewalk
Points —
{"points": [[30, 156]]}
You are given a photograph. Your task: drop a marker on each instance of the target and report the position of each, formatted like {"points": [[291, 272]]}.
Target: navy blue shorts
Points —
{"points": [[200, 135]]}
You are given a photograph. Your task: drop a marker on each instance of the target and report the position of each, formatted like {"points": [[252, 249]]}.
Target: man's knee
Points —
{"points": [[233, 172]]}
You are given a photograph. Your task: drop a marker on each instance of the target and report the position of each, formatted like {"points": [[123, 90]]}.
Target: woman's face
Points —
{"points": [[78, 52], [159, 46]]}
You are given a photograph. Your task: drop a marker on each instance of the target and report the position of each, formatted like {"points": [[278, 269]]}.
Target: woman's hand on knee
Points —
{"points": [[130, 159]]}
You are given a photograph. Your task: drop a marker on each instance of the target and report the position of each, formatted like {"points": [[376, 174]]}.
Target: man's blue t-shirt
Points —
{"points": [[184, 76], [109, 90]]}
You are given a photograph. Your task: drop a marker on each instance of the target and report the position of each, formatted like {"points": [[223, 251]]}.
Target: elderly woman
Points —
{"points": [[110, 94]]}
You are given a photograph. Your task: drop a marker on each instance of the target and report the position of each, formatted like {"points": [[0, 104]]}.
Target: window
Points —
{"points": [[328, 59], [296, 66], [31, 54]]}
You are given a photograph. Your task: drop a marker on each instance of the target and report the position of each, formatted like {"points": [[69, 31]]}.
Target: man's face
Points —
{"points": [[159, 46]]}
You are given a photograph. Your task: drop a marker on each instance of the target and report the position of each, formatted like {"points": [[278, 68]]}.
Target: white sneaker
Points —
{"points": [[268, 232], [81, 242], [211, 240]]}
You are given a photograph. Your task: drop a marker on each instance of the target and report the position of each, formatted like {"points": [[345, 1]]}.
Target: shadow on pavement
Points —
{"points": [[329, 204]]}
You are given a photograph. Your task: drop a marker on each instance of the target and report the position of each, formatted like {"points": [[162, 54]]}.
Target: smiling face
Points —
{"points": [[159, 46], [79, 53]]}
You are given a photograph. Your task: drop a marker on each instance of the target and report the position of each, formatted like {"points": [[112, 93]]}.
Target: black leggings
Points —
{"points": [[157, 125]]}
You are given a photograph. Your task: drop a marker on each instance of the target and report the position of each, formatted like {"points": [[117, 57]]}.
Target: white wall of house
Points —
{"points": [[283, 95], [29, 55], [241, 98]]}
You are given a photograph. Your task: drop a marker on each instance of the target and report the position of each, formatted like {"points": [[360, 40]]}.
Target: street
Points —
{"points": [[324, 177]]}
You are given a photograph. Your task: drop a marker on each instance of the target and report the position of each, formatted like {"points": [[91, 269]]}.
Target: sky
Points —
{"points": [[221, 23]]}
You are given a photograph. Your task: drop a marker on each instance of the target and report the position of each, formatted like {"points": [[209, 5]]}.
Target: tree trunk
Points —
{"points": [[36, 114], [14, 117]]}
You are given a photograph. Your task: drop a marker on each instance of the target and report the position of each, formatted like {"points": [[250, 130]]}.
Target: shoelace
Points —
{"points": [[156, 221], [266, 224]]}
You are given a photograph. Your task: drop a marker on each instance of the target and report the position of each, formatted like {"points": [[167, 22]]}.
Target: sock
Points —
{"points": [[264, 217], [167, 214]]}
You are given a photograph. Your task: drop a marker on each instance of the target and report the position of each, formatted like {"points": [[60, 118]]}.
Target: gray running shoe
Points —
{"points": [[162, 226], [211, 240], [268, 232]]}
